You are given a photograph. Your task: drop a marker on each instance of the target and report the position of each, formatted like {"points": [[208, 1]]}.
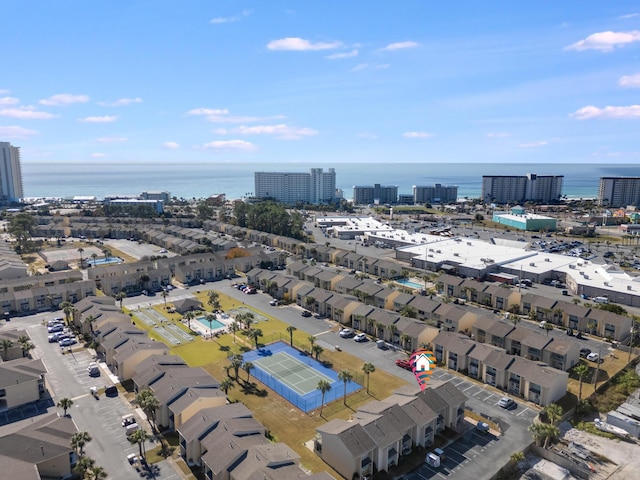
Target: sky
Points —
{"points": [[324, 82]]}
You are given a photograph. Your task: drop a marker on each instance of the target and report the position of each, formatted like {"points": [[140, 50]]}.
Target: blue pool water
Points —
{"points": [[409, 283], [214, 324], [104, 261]]}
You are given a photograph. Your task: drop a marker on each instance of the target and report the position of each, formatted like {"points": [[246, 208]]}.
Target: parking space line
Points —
{"points": [[523, 411], [469, 387]]}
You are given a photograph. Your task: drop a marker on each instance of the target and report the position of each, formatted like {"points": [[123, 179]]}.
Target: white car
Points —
{"points": [[360, 337], [594, 357], [347, 333]]}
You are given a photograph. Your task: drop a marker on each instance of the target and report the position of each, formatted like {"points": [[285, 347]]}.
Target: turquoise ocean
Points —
{"points": [[237, 180]]}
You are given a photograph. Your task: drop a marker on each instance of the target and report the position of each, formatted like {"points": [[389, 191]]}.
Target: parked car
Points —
{"points": [[306, 313], [347, 333], [584, 352], [594, 357], [506, 403], [128, 420], [402, 363], [53, 338], [55, 328], [274, 303], [360, 337]]}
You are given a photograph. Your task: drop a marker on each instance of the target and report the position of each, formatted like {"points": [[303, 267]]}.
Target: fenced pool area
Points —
{"points": [[169, 331], [411, 284], [215, 324], [294, 375], [103, 261]]}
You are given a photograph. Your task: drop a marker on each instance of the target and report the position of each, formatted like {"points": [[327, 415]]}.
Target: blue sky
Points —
{"points": [[324, 82]]}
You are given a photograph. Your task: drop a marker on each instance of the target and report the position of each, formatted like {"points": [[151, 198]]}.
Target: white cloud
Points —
{"points": [[589, 112], [630, 80], [9, 101], [629, 15], [26, 113], [170, 145], [400, 46], [606, 41], [16, 132], [98, 155], [300, 44], [121, 102], [64, 99], [234, 18], [222, 145], [540, 143], [111, 139], [417, 135], [102, 119], [239, 118], [337, 56], [208, 111], [498, 135], [281, 131]]}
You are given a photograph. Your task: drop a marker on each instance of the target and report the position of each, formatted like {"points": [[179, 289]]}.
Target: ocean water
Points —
{"points": [[200, 180]]}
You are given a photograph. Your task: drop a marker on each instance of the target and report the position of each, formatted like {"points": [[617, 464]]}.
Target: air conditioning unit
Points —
{"points": [[469, 243], [532, 264], [456, 254], [572, 266], [629, 287], [547, 259], [438, 251], [586, 276]]}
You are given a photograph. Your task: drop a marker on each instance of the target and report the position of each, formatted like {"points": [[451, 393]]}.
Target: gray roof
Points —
{"points": [[519, 334], [500, 329], [482, 351], [208, 418], [20, 370], [536, 340], [382, 430], [390, 410], [192, 395], [450, 393], [454, 342], [174, 382], [499, 360], [536, 372], [273, 461], [353, 437]]}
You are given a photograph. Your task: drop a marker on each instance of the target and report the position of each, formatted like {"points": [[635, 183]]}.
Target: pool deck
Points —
{"points": [[203, 330]]}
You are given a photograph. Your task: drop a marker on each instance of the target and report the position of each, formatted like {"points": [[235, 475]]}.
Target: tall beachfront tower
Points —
{"points": [[10, 174], [521, 188], [619, 191], [314, 187]]}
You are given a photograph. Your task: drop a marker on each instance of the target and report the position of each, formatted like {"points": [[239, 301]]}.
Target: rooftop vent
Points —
{"points": [[532, 264]]}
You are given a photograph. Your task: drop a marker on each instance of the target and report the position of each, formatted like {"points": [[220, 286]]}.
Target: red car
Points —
{"points": [[403, 364]]}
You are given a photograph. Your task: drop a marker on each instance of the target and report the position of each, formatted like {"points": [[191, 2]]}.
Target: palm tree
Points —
{"points": [[148, 402], [291, 329], [165, 294], [80, 250], [370, 324], [346, 377], [548, 327], [226, 384], [210, 318], [97, 473], [6, 344], [236, 363], [143, 280], [107, 253], [78, 441], [234, 327], [94, 257], [248, 319], [67, 309], [65, 404], [310, 302], [312, 341], [408, 311], [255, 334], [248, 366], [190, 315], [90, 320], [368, 368], [324, 387], [553, 412], [538, 431], [83, 465], [214, 300], [515, 319], [139, 436], [551, 432], [580, 370], [25, 344], [392, 330], [120, 296], [317, 350]]}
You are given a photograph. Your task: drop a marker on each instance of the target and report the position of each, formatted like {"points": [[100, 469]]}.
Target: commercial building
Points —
{"points": [[314, 187], [521, 220], [377, 194], [502, 189], [619, 191], [10, 174], [436, 194]]}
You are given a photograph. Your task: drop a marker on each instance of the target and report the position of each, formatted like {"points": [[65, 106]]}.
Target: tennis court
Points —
{"points": [[294, 375]]}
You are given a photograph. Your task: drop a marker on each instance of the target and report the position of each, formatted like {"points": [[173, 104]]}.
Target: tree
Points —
{"points": [[90, 320], [346, 377], [553, 411], [97, 473], [78, 441], [64, 404], [6, 344], [226, 384], [234, 327], [312, 341], [214, 300], [165, 294], [581, 370], [248, 319], [368, 368], [94, 257], [548, 327], [67, 309], [324, 387], [291, 329], [83, 465], [120, 296], [190, 315], [148, 402], [236, 363], [255, 334], [25, 344], [538, 431], [409, 312], [317, 350], [80, 250], [139, 436], [210, 318], [515, 319], [248, 366], [310, 303], [22, 226]]}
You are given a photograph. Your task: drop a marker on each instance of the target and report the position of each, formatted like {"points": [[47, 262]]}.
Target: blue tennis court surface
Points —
{"points": [[295, 375]]}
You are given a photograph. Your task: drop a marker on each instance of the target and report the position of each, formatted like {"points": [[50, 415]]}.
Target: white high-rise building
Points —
{"points": [[10, 174], [521, 188], [314, 187], [619, 191]]}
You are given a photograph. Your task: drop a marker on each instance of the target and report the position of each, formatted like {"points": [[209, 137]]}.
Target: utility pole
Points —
{"points": [[633, 331], [597, 375]]}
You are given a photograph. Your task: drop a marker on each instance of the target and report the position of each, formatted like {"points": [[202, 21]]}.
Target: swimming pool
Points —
{"points": [[215, 324], [104, 261], [408, 283]]}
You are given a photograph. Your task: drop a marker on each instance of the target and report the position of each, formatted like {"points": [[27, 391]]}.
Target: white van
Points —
{"points": [[94, 370], [129, 429], [601, 299]]}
